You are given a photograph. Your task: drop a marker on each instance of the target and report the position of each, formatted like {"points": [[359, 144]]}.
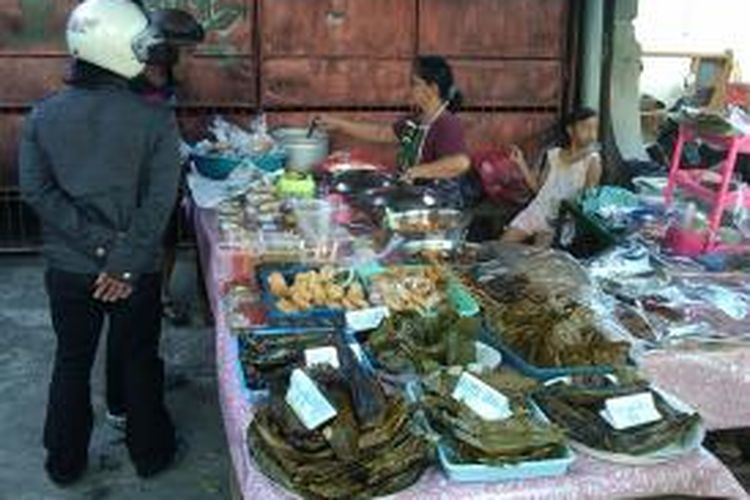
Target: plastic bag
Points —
{"points": [[209, 193], [677, 297], [501, 178], [232, 140], [544, 305], [261, 141]]}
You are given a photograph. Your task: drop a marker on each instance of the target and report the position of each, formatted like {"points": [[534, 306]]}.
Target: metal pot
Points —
{"points": [[303, 152]]}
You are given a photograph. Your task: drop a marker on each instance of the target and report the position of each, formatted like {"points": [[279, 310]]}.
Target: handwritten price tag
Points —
{"points": [[631, 411], [322, 356], [366, 319], [487, 357], [483, 400], [308, 403]]}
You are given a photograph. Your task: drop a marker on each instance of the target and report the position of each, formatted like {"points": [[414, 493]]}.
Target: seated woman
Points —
{"points": [[432, 149], [568, 171]]}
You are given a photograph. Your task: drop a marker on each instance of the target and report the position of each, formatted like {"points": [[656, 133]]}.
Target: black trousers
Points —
{"points": [[115, 372], [136, 325]]}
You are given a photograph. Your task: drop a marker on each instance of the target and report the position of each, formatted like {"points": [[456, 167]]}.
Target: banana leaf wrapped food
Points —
{"points": [[473, 440], [409, 343], [577, 408], [368, 449], [265, 356], [547, 318]]}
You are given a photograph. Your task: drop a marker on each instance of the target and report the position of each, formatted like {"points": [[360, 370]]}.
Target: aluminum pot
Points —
{"points": [[303, 152]]}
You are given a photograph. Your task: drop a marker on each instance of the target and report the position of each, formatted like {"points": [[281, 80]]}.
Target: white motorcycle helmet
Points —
{"points": [[119, 36], [103, 33]]}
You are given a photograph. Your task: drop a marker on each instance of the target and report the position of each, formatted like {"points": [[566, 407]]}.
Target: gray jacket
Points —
{"points": [[100, 166]]}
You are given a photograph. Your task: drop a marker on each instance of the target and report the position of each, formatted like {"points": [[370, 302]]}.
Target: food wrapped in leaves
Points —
{"points": [[409, 343], [546, 318], [577, 408], [266, 356], [519, 438], [367, 450]]}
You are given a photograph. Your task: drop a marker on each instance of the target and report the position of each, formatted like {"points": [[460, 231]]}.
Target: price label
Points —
{"points": [[631, 411], [308, 403], [322, 356], [487, 357], [366, 319], [483, 400]]}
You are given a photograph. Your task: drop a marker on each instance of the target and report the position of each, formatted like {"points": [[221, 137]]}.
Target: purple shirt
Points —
{"points": [[445, 137]]}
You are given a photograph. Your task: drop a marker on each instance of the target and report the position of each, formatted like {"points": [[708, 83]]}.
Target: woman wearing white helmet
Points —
{"points": [[100, 166]]}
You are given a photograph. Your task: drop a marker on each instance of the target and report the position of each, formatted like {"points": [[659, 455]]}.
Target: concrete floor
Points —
{"points": [[26, 349]]}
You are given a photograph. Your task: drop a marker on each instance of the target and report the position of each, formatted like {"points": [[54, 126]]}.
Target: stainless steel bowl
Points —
{"points": [[303, 152], [414, 247], [429, 230], [427, 221]]}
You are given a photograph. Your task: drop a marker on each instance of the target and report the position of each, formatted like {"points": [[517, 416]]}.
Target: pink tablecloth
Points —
{"points": [[698, 474], [716, 383]]}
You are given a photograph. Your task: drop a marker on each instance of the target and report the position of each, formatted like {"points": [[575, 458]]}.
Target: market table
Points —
{"points": [[697, 474], [715, 382]]}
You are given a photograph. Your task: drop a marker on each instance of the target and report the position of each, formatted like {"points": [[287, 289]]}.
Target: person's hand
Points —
{"points": [[517, 155], [109, 289], [411, 175]]}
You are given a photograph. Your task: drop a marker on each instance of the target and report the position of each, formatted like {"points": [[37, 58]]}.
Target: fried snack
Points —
{"points": [[327, 273], [419, 289], [335, 293], [316, 289], [277, 285], [287, 306], [319, 295]]}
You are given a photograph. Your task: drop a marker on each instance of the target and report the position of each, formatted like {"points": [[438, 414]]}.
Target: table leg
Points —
{"points": [[717, 212], [674, 168]]}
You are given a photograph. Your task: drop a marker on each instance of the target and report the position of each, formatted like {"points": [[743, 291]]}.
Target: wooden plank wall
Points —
{"points": [[294, 58]]}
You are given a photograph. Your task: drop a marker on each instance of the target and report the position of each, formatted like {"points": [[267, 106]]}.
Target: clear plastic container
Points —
{"points": [[236, 264]]}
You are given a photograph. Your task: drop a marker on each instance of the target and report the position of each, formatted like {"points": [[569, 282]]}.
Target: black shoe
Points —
{"points": [[65, 475], [147, 471]]}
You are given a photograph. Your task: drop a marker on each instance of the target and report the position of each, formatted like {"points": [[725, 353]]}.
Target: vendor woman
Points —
{"points": [[432, 148]]}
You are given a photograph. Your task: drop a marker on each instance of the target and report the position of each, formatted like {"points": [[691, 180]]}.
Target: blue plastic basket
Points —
{"points": [[514, 360], [269, 301], [252, 394], [474, 473], [255, 391], [480, 473]]}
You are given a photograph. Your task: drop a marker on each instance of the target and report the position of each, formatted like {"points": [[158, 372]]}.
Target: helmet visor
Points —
{"points": [[167, 31]]}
